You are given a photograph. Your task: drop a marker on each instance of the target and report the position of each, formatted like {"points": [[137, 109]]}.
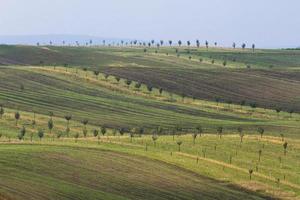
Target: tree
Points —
{"points": [[243, 46], [138, 85], [291, 111], [242, 103], [76, 136], [85, 70], [160, 90], [22, 132], [233, 45], [216, 43], [179, 143], [161, 42], [240, 130], [259, 154], [103, 130], [51, 114], [253, 47], [278, 110], [179, 42], [40, 134], [85, 122], [206, 44], [220, 131], [131, 133], [198, 43], [121, 131], [84, 132], [253, 106], [154, 138], [261, 131], [68, 118], [118, 79], [149, 88], [250, 173], [1, 111], [199, 129], [96, 74], [170, 42], [188, 43], [50, 125], [194, 137], [285, 145], [17, 117], [95, 132], [128, 82], [224, 63]]}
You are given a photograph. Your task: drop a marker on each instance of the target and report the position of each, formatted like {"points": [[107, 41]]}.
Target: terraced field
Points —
{"points": [[63, 172], [272, 87]]}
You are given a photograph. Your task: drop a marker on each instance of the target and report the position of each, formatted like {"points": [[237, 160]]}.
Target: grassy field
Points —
{"points": [[272, 81], [149, 164]]}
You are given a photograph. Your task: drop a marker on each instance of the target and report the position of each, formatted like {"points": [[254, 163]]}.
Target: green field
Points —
{"points": [[145, 162]]}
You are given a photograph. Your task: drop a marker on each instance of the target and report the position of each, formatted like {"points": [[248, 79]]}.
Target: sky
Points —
{"points": [[267, 23]]}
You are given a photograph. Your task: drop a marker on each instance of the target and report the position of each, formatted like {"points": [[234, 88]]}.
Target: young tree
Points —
{"points": [[76, 136], [17, 117], [188, 43], [131, 133], [291, 111], [194, 137], [86, 71], [95, 132], [278, 110], [1, 111], [179, 42], [233, 45], [220, 131], [224, 63], [259, 154], [40, 134], [68, 118], [103, 130], [253, 47], [179, 143], [23, 132], [250, 173], [243, 46], [285, 145], [137, 85], [96, 72], [122, 131], [84, 122], [206, 44], [118, 79], [170, 42], [154, 138], [50, 125], [261, 131], [199, 129], [51, 114], [240, 130], [160, 90], [197, 43], [128, 83], [161, 42], [149, 88]]}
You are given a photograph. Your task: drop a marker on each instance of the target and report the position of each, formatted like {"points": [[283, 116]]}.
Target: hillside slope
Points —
{"points": [[273, 80]]}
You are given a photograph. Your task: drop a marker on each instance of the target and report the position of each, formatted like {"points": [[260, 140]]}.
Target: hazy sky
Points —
{"points": [[268, 23]]}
